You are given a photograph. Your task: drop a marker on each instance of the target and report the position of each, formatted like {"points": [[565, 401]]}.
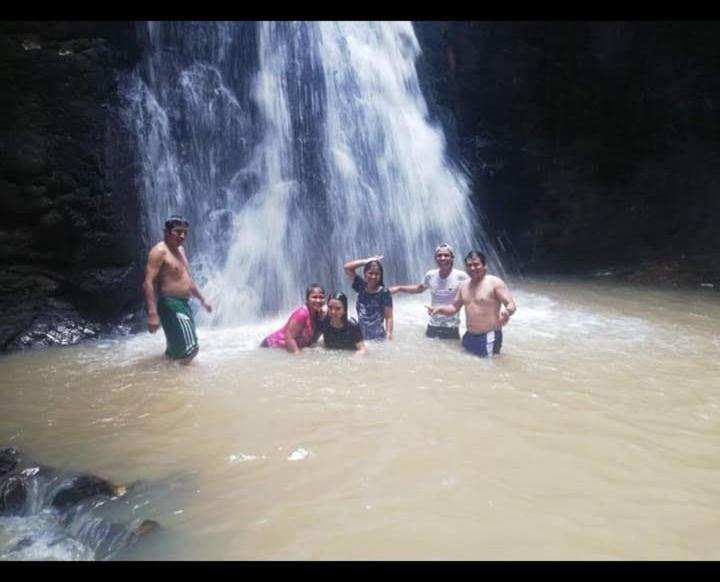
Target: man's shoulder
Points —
{"points": [[158, 250], [491, 282]]}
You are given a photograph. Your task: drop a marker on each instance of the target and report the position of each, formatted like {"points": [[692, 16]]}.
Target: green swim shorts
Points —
{"points": [[179, 326]]}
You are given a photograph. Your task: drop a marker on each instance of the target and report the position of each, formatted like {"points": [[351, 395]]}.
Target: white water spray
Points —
{"points": [[293, 147]]}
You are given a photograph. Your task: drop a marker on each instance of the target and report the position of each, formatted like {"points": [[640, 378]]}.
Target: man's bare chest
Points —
{"points": [[173, 267], [481, 297]]}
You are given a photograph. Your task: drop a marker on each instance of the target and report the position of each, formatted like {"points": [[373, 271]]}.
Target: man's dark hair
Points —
{"points": [[176, 220], [475, 255]]}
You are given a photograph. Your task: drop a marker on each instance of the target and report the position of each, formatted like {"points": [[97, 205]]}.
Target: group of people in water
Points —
{"points": [[486, 298]]}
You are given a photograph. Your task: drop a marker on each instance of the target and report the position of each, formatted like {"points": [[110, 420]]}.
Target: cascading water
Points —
{"points": [[46, 515], [293, 147], [193, 123]]}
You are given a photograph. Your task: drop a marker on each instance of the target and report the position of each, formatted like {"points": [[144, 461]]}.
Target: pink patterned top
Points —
{"points": [[302, 316]]}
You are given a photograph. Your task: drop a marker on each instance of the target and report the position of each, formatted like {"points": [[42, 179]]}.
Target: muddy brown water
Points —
{"points": [[595, 435]]}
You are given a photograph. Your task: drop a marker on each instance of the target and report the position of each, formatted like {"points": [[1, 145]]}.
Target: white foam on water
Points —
{"points": [[243, 458], [39, 538], [299, 454]]}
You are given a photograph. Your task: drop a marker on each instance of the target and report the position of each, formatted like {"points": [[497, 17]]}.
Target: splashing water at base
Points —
{"points": [[593, 436]]}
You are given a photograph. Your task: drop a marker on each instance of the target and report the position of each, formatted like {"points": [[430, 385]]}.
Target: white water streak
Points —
{"points": [[313, 150]]}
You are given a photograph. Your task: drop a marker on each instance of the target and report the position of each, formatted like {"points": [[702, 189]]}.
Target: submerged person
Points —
{"points": [[303, 327], [339, 332], [167, 266], [374, 303], [488, 307], [443, 283]]}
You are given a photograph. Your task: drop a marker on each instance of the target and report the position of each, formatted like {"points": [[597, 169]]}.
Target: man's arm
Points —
{"points": [[194, 291], [508, 303], [412, 289], [451, 309], [350, 266], [154, 263]]}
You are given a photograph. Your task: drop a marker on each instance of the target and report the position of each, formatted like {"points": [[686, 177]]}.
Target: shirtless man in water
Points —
{"points": [[168, 266], [488, 307]]}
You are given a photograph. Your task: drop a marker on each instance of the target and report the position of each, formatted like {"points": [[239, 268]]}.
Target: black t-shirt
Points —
{"points": [[343, 338]]}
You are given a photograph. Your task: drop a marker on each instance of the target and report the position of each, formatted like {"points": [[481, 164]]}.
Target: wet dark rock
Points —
{"points": [[588, 143], [64, 492], [16, 484], [81, 488], [37, 314], [106, 538], [26, 488], [700, 271], [22, 544], [13, 494], [70, 255], [140, 532], [9, 459]]}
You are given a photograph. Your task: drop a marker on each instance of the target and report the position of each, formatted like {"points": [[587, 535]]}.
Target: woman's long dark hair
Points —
{"points": [[342, 298], [377, 264], [317, 320]]}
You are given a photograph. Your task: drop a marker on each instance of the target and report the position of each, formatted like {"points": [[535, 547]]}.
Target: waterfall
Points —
{"points": [[293, 147]]}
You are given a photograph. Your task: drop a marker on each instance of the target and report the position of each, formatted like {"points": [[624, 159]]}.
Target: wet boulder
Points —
{"points": [[13, 495], [9, 459], [15, 486], [120, 537], [30, 490], [81, 488]]}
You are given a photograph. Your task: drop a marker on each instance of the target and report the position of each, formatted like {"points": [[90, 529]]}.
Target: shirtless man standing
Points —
{"points": [[488, 306], [168, 266]]}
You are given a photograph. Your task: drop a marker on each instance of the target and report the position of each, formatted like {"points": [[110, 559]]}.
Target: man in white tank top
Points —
{"points": [[443, 283]]}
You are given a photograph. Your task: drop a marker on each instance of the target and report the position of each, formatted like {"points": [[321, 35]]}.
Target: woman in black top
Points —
{"points": [[340, 333]]}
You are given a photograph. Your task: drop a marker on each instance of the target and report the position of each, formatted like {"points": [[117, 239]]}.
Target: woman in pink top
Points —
{"points": [[303, 327]]}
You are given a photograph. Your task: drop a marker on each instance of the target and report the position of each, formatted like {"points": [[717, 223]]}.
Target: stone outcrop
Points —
{"points": [[591, 145], [27, 488], [69, 217]]}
